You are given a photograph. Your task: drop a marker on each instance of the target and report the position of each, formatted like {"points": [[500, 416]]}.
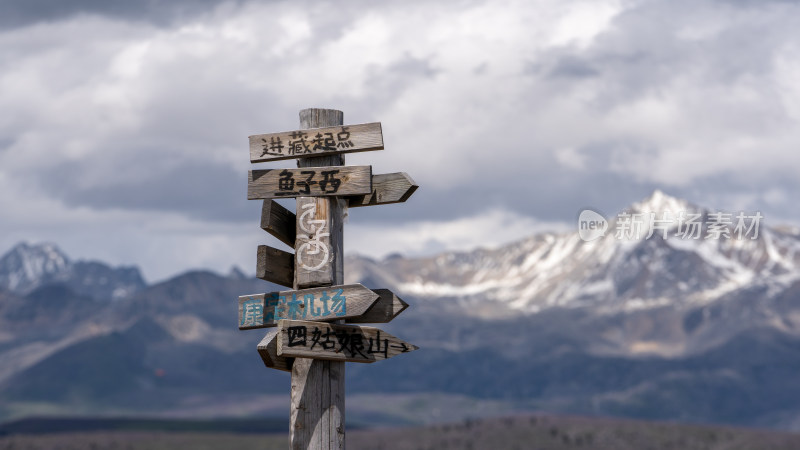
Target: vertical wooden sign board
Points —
{"points": [[317, 393]]}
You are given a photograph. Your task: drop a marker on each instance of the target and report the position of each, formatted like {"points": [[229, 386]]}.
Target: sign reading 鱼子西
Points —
{"points": [[309, 182]]}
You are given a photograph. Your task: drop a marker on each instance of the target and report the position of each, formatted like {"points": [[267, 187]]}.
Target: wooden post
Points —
{"points": [[317, 403]]}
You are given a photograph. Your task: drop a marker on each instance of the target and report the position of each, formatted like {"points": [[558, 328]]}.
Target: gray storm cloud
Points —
{"points": [[139, 111]]}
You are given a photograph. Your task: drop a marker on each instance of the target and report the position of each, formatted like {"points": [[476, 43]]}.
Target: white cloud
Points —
{"points": [[526, 107]]}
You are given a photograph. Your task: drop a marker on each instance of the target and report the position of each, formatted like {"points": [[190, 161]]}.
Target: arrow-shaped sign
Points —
{"points": [[386, 188], [384, 310], [268, 349], [354, 343], [316, 142], [322, 303], [279, 222], [275, 266]]}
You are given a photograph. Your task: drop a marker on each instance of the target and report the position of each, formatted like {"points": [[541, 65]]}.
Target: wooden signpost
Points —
{"points": [[307, 335]]}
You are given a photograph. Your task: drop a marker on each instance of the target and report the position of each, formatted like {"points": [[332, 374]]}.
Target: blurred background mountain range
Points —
{"points": [[704, 331]]}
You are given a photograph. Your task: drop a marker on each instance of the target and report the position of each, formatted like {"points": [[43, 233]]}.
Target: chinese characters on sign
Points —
{"points": [[329, 184], [257, 311], [349, 341], [338, 342], [340, 181], [688, 225], [300, 143], [316, 142]]}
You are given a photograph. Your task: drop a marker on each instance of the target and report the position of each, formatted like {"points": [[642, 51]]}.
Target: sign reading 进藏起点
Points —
{"points": [[316, 142]]}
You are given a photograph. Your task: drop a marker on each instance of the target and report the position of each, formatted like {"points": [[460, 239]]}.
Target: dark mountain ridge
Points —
{"points": [[517, 327]]}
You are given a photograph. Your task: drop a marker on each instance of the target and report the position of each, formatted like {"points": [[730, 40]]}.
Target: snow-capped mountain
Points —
{"points": [[659, 325], [27, 267], [686, 261]]}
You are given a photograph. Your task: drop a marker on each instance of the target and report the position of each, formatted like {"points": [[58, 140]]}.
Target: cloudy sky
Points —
{"points": [[123, 132]]}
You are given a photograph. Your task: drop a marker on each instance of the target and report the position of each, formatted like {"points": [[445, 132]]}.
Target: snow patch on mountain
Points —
{"points": [[25, 265]]}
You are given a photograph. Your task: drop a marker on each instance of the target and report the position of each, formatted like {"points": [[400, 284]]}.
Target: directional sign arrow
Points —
{"points": [[268, 349], [275, 266], [384, 310], [279, 222], [316, 142], [386, 188], [354, 343], [317, 304]]}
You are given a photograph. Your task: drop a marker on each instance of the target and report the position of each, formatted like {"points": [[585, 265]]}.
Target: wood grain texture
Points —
{"points": [[384, 310], [318, 415], [317, 304], [279, 222], [275, 266], [317, 418], [351, 343], [315, 253], [268, 349], [387, 188], [316, 142], [309, 182]]}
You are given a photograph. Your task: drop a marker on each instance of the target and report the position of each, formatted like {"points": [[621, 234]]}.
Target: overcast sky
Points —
{"points": [[124, 125]]}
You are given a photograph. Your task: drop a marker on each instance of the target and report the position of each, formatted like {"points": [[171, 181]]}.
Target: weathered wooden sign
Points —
{"points": [[316, 142], [353, 343], [278, 221], [309, 182], [384, 310], [323, 303], [275, 266], [386, 188], [353, 302], [268, 349]]}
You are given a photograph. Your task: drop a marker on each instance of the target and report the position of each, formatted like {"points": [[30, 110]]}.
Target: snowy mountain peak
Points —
{"points": [[658, 202], [26, 264], [627, 269], [27, 267]]}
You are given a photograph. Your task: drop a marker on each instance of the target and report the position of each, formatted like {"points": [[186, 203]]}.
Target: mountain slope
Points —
{"points": [[671, 295], [561, 270]]}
